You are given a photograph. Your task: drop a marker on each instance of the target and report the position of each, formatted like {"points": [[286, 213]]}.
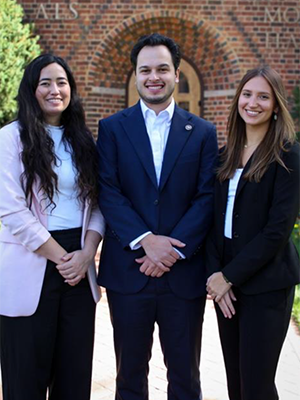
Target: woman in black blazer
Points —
{"points": [[252, 264]]}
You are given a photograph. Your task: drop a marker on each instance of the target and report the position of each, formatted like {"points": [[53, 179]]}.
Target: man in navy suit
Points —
{"points": [[156, 183]]}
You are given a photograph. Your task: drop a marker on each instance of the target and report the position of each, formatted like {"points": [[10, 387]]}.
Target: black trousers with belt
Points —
{"points": [[51, 350], [252, 340]]}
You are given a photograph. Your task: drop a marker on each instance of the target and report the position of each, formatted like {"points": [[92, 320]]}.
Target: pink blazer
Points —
{"points": [[24, 230]]}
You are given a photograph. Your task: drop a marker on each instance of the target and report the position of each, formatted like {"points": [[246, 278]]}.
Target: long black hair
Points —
{"points": [[38, 154]]}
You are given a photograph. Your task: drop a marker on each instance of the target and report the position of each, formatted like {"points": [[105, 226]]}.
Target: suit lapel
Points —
{"points": [[38, 197], [241, 184], [180, 130], [243, 181], [224, 193], [39, 203], [225, 187], [134, 126]]}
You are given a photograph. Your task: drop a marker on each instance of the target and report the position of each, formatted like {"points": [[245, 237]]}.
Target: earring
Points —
{"points": [[275, 116]]}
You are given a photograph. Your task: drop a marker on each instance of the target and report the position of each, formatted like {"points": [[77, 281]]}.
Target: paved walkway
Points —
{"points": [[212, 368]]}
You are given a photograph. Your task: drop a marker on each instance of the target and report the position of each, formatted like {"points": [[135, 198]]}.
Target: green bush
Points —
{"points": [[296, 235], [295, 112], [18, 47], [296, 306]]}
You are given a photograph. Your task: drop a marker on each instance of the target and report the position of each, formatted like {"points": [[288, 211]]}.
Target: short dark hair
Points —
{"points": [[156, 39]]}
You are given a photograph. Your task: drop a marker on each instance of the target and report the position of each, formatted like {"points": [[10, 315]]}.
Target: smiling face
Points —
{"points": [[256, 103], [156, 77], [53, 93]]}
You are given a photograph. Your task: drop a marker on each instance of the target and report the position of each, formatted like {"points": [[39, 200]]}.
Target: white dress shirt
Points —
{"points": [[233, 184], [158, 128]]}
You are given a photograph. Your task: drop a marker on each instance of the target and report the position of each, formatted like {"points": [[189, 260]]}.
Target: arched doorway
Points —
{"points": [[187, 92], [210, 55]]}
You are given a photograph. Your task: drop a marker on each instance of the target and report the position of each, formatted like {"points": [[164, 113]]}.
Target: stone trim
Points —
{"points": [[105, 90], [219, 93]]}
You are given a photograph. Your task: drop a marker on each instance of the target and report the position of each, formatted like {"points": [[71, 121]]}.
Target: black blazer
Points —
{"points": [[132, 202], [265, 258]]}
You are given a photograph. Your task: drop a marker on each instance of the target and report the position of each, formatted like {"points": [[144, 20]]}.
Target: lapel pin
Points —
{"points": [[188, 127]]}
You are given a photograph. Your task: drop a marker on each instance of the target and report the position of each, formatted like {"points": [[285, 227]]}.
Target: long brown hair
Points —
{"points": [[280, 134]]}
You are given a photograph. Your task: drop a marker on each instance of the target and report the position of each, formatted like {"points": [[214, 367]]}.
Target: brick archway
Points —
{"points": [[201, 44]]}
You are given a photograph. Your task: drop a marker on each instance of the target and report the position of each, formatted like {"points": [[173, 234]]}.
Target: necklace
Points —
{"points": [[250, 145]]}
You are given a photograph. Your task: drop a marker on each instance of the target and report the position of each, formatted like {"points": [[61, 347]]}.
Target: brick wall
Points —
{"points": [[222, 39]]}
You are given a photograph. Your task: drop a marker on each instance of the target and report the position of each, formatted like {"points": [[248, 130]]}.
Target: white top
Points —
{"points": [[68, 212], [233, 184]]}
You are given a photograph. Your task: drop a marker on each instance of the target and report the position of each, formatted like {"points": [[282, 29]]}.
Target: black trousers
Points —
{"points": [[51, 350], [252, 341], [180, 327]]}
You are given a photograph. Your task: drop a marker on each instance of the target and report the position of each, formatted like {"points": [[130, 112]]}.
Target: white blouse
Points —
{"points": [[68, 212], [233, 184]]}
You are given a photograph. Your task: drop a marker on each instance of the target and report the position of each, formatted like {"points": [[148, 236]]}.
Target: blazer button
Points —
{"points": [[155, 202], [236, 215], [236, 235]]}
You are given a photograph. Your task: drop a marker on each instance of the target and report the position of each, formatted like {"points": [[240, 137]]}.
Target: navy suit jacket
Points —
{"points": [[133, 203]]}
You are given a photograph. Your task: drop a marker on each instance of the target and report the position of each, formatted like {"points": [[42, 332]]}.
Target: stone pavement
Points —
{"points": [[212, 368]]}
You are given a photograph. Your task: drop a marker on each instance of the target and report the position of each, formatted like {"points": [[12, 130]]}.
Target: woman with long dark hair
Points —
{"points": [[51, 228], [252, 263]]}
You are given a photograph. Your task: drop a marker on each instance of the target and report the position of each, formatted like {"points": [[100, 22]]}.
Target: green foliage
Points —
{"points": [[296, 305], [296, 234], [296, 110], [18, 47]]}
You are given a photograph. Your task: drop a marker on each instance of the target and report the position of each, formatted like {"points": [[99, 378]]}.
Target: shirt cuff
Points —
{"points": [[179, 252], [134, 245]]}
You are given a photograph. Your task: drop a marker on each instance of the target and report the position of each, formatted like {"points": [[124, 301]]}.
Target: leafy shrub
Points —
{"points": [[18, 46]]}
